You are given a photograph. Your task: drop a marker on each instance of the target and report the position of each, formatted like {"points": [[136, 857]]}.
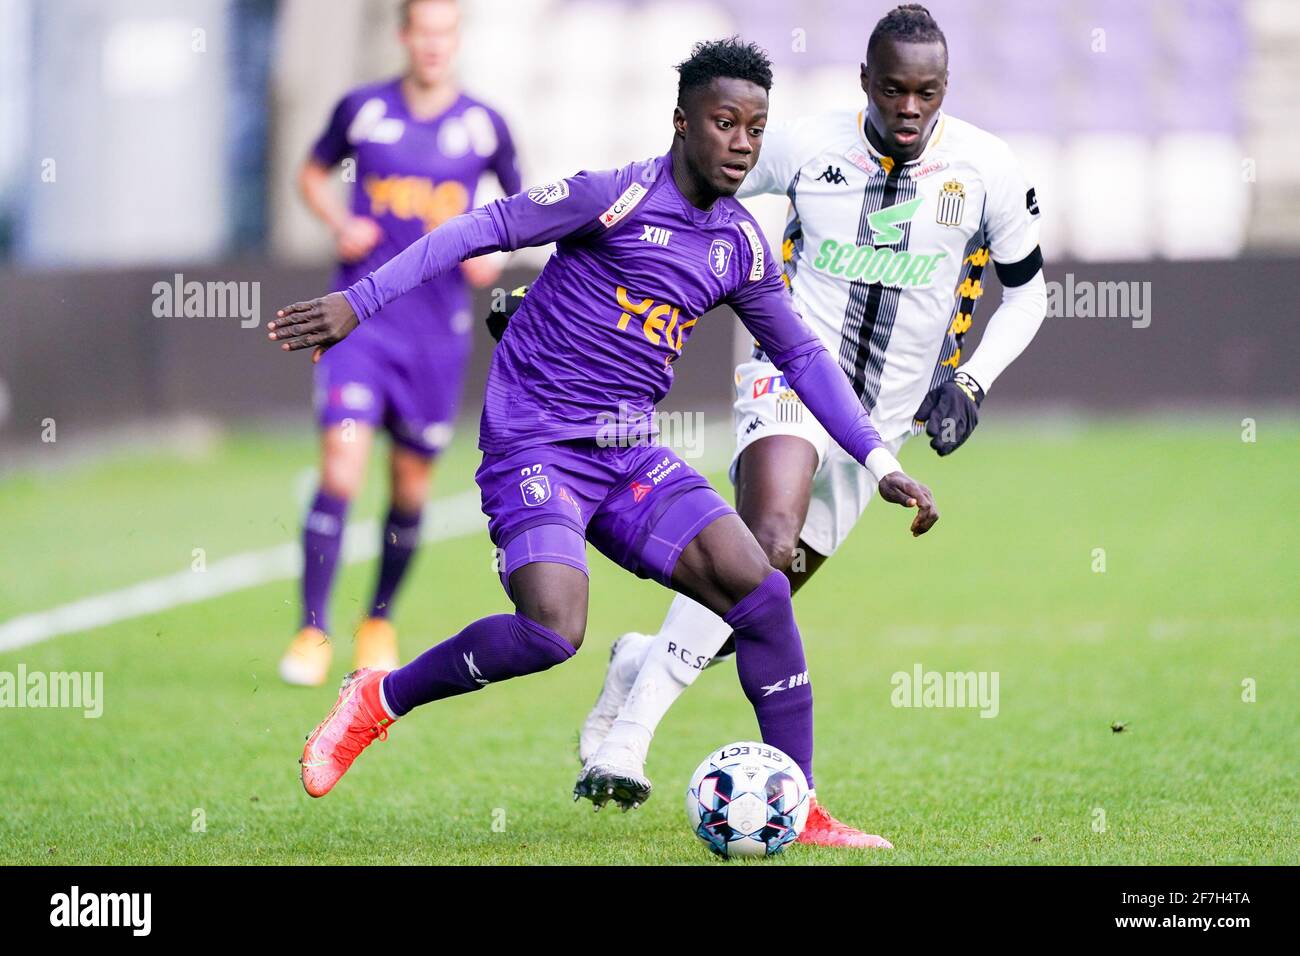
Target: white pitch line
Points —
{"points": [[456, 516], [447, 518]]}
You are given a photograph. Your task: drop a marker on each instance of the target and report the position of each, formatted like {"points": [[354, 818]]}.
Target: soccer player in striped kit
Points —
{"points": [[896, 211], [641, 253], [417, 146]]}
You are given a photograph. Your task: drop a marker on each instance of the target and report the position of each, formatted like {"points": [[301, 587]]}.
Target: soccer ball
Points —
{"points": [[747, 799]]}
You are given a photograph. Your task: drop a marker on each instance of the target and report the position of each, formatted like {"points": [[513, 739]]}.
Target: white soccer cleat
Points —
{"points": [[624, 661], [614, 773]]}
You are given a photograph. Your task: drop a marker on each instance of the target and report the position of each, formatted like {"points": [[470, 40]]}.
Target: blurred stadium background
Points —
{"points": [[147, 138]]}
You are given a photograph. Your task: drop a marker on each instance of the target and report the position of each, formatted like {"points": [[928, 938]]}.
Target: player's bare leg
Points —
{"points": [[409, 474], [722, 565], [547, 629], [773, 487], [345, 450]]}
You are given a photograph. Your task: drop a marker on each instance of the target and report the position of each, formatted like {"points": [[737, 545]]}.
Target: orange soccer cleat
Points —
{"points": [[357, 720], [376, 645], [822, 829], [307, 661]]}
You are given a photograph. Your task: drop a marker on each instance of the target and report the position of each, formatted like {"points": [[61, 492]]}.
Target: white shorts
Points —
{"points": [[841, 487]]}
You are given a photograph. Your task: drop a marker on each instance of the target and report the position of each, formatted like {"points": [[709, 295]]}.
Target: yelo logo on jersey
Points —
{"points": [[659, 323], [416, 197]]}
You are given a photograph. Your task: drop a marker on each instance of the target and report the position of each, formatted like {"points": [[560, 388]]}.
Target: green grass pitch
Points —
{"points": [[1198, 596]]}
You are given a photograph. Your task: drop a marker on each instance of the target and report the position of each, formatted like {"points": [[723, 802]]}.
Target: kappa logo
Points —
{"points": [[474, 672], [833, 176], [787, 683], [536, 490], [623, 205], [720, 256], [886, 223], [550, 193], [656, 234]]}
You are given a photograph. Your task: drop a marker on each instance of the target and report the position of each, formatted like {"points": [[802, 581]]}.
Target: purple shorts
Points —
{"points": [[412, 389], [640, 506]]}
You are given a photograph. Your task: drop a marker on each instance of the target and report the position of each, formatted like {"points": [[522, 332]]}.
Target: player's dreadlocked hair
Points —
{"points": [[732, 57], [908, 23]]}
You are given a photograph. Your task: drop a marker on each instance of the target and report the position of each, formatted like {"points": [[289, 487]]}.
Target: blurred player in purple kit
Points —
{"points": [[419, 146], [642, 252]]}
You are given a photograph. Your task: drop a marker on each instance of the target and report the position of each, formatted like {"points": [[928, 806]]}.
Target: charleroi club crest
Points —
{"points": [[952, 203]]}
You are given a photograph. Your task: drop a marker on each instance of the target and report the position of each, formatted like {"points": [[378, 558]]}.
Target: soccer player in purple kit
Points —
{"points": [[642, 251], [419, 146]]}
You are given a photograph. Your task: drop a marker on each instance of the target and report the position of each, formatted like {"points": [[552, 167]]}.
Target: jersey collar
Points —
{"points": [[886, 162], [699, 217]]}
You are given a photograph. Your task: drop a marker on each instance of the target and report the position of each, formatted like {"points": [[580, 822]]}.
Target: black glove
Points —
{"points": [[951, 412], [498, 320]]}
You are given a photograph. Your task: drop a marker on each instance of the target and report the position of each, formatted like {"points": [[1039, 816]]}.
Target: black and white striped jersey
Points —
{"points": [[886, 261]]}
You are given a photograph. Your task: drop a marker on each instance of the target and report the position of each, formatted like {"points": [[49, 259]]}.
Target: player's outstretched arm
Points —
{"points": [[317, 323], [541, 215], [325, 321]]}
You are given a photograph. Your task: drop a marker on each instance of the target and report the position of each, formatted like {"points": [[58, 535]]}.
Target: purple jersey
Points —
{"points": [[410, 177], [636, 265]]}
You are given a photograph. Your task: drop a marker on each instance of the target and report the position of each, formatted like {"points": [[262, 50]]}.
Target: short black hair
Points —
{"points": [[908, 23], [731, 57]]}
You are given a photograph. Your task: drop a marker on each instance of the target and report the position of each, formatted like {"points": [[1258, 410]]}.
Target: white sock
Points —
{"points": [[691, 634]]}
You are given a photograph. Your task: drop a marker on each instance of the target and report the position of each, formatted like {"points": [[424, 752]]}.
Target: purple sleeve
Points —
{"points": [[333, 143], [765, 308], [541, 215], [505, 162], [459, 238]]}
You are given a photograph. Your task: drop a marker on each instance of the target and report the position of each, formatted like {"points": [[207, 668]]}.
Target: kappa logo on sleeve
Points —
{"points": [[623, 205], [756, 248], [550, 193]]}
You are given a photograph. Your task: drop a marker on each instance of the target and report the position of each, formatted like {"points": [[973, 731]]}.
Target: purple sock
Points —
{"points": [[401, 538], [322, 534], [772, 670], [490, 650]]}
